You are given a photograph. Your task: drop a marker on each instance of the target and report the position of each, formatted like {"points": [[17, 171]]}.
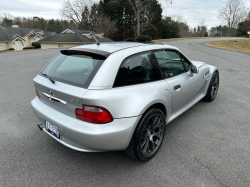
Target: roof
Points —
{"points": [[9, 33], [116, 46], [76, 37]]}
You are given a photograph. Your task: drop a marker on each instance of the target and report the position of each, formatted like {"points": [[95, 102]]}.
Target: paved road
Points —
{"points": [[209, 145]]}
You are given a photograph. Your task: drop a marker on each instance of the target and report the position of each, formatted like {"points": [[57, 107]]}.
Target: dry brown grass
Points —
{"points": [[241, 46], [176, 39]]}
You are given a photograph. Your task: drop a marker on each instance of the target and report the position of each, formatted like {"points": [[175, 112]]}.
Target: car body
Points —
{"points": [[128, 79]]}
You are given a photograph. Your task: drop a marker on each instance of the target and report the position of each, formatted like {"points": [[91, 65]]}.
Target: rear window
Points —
{"points": [[74, 68]]}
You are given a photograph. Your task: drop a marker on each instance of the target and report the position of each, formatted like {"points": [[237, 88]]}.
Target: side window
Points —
{"points": [[137, 69], [185, 62], [170, 63]]}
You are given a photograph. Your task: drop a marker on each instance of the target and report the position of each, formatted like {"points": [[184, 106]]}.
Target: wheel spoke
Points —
{"points": [[143, 143], [145, 146], [157, 133], [157, 124], [151, 146], [156, 118]]}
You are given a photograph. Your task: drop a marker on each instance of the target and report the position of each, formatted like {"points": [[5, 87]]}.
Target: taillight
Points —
{"points": [[37, 94], [94, 114]]}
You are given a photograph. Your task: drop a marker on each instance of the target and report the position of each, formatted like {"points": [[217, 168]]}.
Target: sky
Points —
{"points": [[193, 11]]}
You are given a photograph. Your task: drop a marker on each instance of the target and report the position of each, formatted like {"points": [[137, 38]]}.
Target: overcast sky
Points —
{"points": [[193, 11]]}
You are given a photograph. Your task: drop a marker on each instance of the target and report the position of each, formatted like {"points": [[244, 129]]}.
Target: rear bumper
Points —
{"points": [[84, 136]]}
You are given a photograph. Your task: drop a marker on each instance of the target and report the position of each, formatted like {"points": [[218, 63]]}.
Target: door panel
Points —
{"points": [[189, 88]]}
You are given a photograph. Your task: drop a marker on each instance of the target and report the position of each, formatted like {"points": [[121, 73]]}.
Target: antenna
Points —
{"points": [[97, 42]]}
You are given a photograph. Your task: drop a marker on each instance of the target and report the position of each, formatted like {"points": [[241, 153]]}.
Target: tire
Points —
{"points": [[213, 88], [148, 136]]}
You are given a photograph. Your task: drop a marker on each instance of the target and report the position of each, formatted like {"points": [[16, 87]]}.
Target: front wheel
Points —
{"points": [[148, 136], [213, 88]]}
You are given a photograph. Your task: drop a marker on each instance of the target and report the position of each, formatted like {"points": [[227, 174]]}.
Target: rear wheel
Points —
{"points": [[148, 136], [213, 88]]}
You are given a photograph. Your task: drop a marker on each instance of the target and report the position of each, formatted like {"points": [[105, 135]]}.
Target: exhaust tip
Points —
{"points": [[40, 126]]}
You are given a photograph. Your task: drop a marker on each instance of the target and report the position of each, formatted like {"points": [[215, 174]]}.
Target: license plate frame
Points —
{"points": [[52, 129]]}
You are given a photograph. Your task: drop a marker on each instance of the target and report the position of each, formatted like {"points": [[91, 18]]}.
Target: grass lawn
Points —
{"points": [[241, 46], [190, 38]]}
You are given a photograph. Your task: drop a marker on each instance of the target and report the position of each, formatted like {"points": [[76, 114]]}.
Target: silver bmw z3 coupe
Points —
{"points": [[119, 96]]}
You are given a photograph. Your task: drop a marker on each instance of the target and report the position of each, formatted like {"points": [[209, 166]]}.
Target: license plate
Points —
{"points": [[52, 129]]}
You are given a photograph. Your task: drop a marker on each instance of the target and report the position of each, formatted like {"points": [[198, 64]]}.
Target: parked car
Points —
{"points": [[119, 96]]}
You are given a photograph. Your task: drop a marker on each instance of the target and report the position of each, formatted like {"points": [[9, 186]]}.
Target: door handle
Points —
{"points": [[177, 87]]}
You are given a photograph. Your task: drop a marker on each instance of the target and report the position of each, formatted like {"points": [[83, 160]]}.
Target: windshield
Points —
{"points": [[74, 68]]}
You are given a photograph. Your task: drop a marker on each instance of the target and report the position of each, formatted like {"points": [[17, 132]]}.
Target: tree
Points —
{"points": [[171, 29], [105, 25], [121, 12], [243, 28], [202, 29], [248, 16], [138, 7], [232, 13], [222, 31], [6, 19], [72, 10]]}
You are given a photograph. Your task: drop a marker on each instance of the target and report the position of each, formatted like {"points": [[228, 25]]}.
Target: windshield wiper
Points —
{"points": [[51, 80]]}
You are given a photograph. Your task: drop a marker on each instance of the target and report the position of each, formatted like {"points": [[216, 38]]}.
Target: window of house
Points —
{"points": [[1, 45], [60, 45], [138, 69]]}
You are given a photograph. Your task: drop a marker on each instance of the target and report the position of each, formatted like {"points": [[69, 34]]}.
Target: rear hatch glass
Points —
{"points": [[74, 67], [71, 72]]}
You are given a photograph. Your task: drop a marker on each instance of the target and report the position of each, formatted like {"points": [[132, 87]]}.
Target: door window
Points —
{"points": [[138, 69], [185, 62], [170, 63]]}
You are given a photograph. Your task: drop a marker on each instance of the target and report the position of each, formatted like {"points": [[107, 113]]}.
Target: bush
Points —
{"points": [[29, 48], [129, 40], [36, 45], [10, 49], [144, 38]]}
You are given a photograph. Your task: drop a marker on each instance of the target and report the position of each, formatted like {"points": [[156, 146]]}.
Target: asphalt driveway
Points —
{"points": [[209, 145]]}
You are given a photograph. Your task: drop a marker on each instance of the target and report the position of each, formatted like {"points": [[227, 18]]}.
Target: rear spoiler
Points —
{"points": [[85, 51]]}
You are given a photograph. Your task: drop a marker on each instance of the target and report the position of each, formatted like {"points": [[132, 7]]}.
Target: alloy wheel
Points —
{"points": [[215, 87], [152, 135]]}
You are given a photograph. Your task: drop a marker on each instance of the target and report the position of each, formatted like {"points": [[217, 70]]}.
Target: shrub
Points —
{"points": [[10, 49], [29, 48], [36, 45], [144, 38], [129, 40]]}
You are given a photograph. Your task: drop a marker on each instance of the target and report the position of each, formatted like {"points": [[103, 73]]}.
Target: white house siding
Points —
{"points": [[56, 45], [30, 41], [3, 46]]}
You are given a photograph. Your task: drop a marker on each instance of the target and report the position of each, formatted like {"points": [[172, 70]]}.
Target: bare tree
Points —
{"points": [[105, 25], [138, 7], [72, 10], [177, 17], [203, 28], [233, 12], [248, 16]]}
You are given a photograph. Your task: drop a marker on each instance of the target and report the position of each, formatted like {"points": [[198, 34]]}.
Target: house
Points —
{"points": [[18, 38], [70, 38], [248, 34]]}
